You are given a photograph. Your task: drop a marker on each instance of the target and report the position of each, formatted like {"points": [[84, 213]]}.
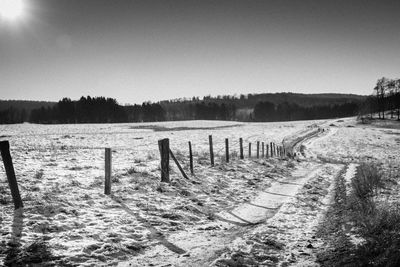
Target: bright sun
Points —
{"points": [[11, 9]]}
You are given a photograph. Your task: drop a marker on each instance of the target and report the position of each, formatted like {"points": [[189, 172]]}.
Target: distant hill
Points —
{"points": [[18, 111], [250, 100], [179, 109], [250, 107], [24, 104]]}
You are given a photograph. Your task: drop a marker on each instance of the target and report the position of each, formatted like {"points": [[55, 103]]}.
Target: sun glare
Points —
{"points": [[11, 10]]}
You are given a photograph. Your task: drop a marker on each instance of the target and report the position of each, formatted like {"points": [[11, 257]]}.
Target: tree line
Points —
{"points": [[107, 110], [267, 111], [96, 110], [385, 98]]}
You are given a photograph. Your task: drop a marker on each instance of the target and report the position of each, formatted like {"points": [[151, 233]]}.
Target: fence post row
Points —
{"points": [[191, 158], [249, 150], [107, 170], [12, 180], [241, 148], [211, 150], [163, 145], [227, 149]]}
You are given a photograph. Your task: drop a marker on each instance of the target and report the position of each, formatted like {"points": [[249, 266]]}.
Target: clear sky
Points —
{"points": [[135, 50]]}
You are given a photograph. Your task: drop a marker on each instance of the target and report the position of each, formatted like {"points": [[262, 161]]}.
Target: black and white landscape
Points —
{"points": [[199, 133]]}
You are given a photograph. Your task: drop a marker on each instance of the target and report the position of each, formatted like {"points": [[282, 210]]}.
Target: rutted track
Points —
{"points": [[292, 143], [207, 244]]}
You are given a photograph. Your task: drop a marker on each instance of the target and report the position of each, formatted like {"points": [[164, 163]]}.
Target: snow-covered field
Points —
{"points": [[253, 211]]}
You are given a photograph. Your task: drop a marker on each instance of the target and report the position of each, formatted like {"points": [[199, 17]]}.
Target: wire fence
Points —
{"points": [[141, 155]]}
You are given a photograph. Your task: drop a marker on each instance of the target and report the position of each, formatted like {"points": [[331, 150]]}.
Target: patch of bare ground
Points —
{"points": [[390, 123], [158, 128]]}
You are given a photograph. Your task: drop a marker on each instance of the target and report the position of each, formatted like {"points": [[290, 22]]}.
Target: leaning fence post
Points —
{"points": [[211, 150], [163, 145], [249, 150], [241, 148], [227, 149], [191, 158], [258, 149], [12, 180], [107, 184], [178, 165]]}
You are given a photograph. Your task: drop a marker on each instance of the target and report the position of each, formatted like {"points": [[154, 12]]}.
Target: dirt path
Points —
{"points": [[212, 242]]}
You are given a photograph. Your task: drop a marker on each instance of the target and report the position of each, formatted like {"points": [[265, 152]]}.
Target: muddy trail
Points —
{"points": [[275, 227]]}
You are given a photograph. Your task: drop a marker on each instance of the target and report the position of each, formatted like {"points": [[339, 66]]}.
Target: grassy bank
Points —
{"points": [[362, 228]]}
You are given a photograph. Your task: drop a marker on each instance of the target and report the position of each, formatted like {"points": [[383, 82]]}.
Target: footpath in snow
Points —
{"points": [[232, 229]]}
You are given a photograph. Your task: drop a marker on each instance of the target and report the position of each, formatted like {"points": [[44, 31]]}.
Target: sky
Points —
{"points": [[136, 51]]}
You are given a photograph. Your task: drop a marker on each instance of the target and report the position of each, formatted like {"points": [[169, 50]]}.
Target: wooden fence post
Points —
{"points": [[12, 180], [107, 169], [227, 149], [249, 150], [191, 158], [163, 145], [262, 149], [266, 150], [258, 149], [211, 150], [272, 151], [241, 148]]}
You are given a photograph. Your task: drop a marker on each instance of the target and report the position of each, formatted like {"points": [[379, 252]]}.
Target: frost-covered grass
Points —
{"points": [[60, 170]]}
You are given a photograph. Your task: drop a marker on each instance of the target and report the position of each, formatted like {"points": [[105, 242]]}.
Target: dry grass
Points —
{"points": [[378, 223], [362, 213]]}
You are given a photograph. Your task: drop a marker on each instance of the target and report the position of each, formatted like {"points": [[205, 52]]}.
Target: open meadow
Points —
{"points": [[251, 211]]}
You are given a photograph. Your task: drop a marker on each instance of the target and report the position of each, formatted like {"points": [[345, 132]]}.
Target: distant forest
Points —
{"points": [[250, 107], [385, 98]]}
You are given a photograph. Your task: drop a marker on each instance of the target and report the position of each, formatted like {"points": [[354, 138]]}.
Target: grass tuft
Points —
{"points": [[39, 174], [378, 223]]}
